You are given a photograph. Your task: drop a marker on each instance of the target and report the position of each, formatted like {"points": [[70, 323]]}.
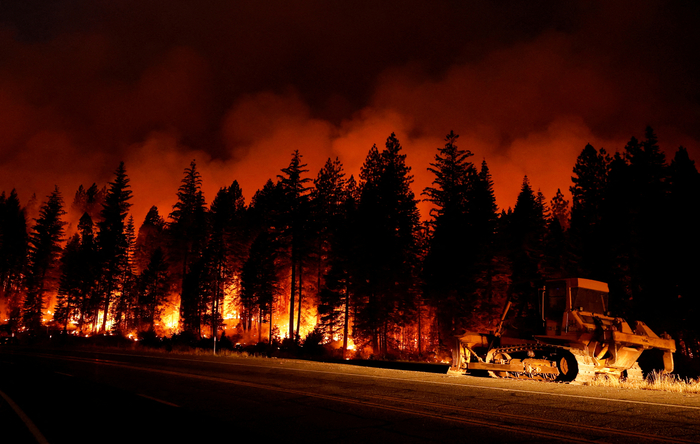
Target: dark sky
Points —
{"points": [[238, 85]]}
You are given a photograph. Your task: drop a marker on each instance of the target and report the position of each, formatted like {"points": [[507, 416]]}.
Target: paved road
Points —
{"points": [[57, 396]]}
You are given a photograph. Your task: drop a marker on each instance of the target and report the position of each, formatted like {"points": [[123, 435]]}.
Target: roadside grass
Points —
{"points": [[654, 381]]}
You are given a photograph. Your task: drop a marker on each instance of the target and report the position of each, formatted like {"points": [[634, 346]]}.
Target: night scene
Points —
{"points": [[350, 221]]}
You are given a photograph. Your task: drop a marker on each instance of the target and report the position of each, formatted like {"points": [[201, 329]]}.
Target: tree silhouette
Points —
{"points": [[70, 286], [112, 243], [684, 238], [44, 250], [587, 194], [153, 284], [387, 222], [450, 263], [297, 214], [259, 280], [151, 235], [13, 255], [526, 228], [224, 248], [187, 230]]}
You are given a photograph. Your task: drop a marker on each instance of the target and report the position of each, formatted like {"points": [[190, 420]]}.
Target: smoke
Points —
{"points": [[238, 86]]}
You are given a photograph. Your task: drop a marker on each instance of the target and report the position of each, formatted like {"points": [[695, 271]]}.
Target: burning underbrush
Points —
{"points": [[314, 346]]}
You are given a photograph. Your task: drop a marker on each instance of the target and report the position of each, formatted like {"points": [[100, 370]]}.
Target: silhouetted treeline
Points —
{"points": [[340, 260]]}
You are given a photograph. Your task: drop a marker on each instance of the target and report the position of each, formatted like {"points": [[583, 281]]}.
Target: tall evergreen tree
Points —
{"points": [[450, 263], [89, 273], [615, 256], [224, 249], [124, 309], [556, 256], [649, 218], [13, 255], [488, 271], [684, 238], [297, 214], [264, 218], [44, 249], [111, 239], [151, 235], [560, 210], [525, 235], [187, 230], [70, 286], [587, 194], [387, 221], [328, 197], [337, 288]]}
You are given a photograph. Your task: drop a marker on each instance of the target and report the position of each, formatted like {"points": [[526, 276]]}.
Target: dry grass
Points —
{"points": [[654, 381]]}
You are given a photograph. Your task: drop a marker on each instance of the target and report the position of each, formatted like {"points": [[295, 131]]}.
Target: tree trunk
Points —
{"points": [[420, 348], [269, 340], [346, 322], [301, 269], [291, 297], [108, 294]]}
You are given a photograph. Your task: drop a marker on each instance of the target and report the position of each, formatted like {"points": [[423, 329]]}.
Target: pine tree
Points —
{"points": [[615, 257], [327, 206], [187, 230], [266, 216], [111, 238], [44, 250], [451, 259], [124, 309], [488, 285], [387, 222], [224, 249], [649, 219], [337, 288], [297, 214], [13, 256], [151, 235], [683, 238], [70, 283], [89, 270], [555, 243], [587, 194], [560, 210], [525, 234]]}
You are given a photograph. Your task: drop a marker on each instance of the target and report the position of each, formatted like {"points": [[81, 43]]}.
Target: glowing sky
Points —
{"points": [[239, 85]]}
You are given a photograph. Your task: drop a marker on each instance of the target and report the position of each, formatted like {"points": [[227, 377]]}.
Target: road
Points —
{"points": [[72, 396]]}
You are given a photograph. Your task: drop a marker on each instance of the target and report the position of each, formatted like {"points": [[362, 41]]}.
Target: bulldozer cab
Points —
{"points": [[565, 295], [562, 296]]}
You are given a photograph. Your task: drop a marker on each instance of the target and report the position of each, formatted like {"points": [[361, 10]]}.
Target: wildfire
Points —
{"points": [[168, 321]]}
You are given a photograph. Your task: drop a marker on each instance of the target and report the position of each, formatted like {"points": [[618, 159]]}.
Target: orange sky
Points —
{"points": [[84, 85]]}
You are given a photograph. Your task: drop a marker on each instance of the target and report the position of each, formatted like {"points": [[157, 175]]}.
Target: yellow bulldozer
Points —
{"points": [[571, 338]]}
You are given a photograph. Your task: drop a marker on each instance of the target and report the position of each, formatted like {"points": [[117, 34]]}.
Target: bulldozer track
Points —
{"points": [[585, 372]]}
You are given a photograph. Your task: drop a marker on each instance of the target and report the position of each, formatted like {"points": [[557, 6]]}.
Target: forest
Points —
{"points": [[347, 264]]}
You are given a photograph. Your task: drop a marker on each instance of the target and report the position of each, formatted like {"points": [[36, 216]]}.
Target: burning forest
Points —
{"points": [[345, 264]]}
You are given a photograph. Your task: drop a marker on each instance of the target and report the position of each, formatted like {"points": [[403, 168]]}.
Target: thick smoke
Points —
{"points": [[239, 86]]}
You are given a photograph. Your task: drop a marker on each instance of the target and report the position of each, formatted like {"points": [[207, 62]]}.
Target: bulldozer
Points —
{"points": [[569, 335]]}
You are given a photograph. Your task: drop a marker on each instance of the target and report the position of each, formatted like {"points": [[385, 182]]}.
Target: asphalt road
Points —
{"points": [[73, 396]]}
